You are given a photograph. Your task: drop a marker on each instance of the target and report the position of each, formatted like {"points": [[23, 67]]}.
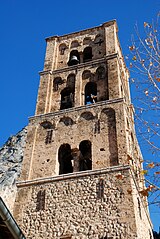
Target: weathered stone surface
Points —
{"points": [[73, 207], [81, 170], [11, 157]]}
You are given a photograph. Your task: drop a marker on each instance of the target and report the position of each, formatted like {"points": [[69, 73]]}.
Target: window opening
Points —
{"points": [[71, 82], [85, 162], [47, 125], [62, 48], [100, 73], [74, 58], [57, 81], [48, 139], [40, 200], [87, 41], [65, 159], [100, 188], [67, 98], [86, 75], [90, 93], [74, 44], [87, 54]]}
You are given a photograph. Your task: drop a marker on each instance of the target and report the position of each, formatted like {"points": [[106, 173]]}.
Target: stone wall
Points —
{"points": [[102, 124], [102, 41], [75, 206]]}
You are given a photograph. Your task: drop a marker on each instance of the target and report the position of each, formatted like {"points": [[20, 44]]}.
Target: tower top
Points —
{"points": [[85, 31]]}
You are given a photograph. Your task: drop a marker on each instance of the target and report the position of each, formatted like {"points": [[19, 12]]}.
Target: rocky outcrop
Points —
{"points": [[11, 157]]}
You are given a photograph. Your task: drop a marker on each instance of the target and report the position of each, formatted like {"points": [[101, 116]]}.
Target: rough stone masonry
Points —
{"points": [[81, 169]]}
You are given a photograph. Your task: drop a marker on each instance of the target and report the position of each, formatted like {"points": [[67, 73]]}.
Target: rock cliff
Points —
{"points": [[11, 157]]}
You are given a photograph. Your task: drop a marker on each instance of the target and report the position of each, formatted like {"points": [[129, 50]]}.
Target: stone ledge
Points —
{"points": [[72, 175], [106, 102], [81, 65]]}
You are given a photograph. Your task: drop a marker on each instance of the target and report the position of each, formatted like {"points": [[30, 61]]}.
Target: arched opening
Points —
{"points": [[86, 75], [87, 41], [101, 73], [90, 93], [85, 161], [67, 98], [67, 121], [87, 54], [112, 135], [62, 48], [47, 125], [74, 58], [56, 82], [87, 116], [65, 159], [74, 44], [71, 82]]}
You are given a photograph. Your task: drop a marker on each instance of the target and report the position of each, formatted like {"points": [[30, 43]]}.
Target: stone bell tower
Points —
{"points": [[81, 171]]}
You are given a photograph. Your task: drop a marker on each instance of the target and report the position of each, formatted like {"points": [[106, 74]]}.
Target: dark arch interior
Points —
{"points": [[85, 161], [90, 93], [87, 54], [65, 159], [71, 82], [74, 58], [57, 81], [47, 125], [67, 98]]}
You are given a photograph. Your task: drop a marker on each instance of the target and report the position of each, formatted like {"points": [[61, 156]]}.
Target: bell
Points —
{"points": [[73, 61]]}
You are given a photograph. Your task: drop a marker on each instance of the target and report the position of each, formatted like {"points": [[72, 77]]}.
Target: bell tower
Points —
{"points": [[82, 160]]}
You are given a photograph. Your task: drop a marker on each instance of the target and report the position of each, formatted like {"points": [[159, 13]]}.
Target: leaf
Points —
{"points": [[134, 58], [143, 172], [157, 78], [145, 24], [150, 188], [146, 92], [151, 64], [144, 192], [154, 99], [157, 173], [151, 165], [131, 48]]}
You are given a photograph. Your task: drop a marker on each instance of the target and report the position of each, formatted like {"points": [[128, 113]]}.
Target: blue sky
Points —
{"points": [[24, 25]]}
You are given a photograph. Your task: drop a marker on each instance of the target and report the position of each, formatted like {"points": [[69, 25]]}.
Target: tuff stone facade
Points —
{"points": [[81, 170]]}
